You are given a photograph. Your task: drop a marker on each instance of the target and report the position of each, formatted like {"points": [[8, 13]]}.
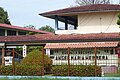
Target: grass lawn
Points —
{"points": [[112, 75], [32, 79]]}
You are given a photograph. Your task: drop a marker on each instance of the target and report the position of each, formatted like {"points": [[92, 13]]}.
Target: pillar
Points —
{"points": [[66, 24], [24, 51], [13, 62], [95, 53], [5, 32], [17, 33], [56, 22], [75, 26], [42, 61], [68, 61], [3, 54]]}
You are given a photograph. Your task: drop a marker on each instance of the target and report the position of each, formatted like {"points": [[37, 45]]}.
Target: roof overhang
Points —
{"points": [[80, 45], [74, 11]]}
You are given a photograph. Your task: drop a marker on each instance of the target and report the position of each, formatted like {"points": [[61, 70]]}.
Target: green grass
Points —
{"points": [[112, 75], [32, 79]]}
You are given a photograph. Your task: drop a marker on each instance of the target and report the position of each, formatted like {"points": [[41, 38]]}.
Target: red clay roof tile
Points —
{"points": [[60, 38], [82, 9], [80, 45], [23, 29]]}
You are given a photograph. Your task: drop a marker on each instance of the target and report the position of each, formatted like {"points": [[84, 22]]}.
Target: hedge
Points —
{"points": [[22, 70], [76, 70], [35, 58]]}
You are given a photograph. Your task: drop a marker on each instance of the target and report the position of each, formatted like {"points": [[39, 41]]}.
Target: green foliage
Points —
{"points": [[6, 70], [35, 58], [47, 28], [118, 21], [31, 48], [22, 70], [76, 70], [30, 26], [4, 16]]}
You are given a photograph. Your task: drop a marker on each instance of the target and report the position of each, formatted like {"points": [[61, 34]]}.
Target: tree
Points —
{"points": [[47, 28], [118, 21], [90, 2], [30, 26], [4, 16]]}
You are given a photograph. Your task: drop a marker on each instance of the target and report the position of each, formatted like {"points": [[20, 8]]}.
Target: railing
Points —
{"points": [[108, 66]]}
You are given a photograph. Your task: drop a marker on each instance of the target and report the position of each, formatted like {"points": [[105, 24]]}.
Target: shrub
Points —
{"points": [[23, 70], [35, 58], [76, 70], [6, 70]]}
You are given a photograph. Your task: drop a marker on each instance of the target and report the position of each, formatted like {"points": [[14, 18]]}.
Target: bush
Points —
{"points": [[35, 58], [76, 70], [22, 70], [6, 70]]}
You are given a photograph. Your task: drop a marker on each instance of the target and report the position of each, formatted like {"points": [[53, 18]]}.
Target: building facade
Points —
{"points": [[90, 19]]}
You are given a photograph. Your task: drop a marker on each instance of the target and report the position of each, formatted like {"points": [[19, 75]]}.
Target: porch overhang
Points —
{"points": [[80, 45]]}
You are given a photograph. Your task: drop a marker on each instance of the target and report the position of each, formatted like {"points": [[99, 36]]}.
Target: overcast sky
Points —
{"points": [[25, 12]]}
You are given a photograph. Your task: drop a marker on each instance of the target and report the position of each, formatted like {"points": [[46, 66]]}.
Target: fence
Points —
{"points": [[93, 62]]}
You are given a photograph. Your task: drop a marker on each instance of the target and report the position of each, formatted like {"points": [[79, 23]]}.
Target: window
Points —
{"points": [[11, 33], [111, 51], [103, 57], [21, 33], [2, 32], [51, 52]]}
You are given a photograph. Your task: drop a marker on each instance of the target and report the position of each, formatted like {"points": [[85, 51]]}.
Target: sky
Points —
{"points": [[25, 12]]}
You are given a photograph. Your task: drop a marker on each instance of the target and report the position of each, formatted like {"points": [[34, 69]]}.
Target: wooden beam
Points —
{"points": [[3, 54], [42, 61], [95, 53], [13, 62], [68, 61]]}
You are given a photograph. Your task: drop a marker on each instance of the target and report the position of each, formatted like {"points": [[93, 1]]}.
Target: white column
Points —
{"points": [[24, 51], [5, 32], [48, 52], [17, 33]]}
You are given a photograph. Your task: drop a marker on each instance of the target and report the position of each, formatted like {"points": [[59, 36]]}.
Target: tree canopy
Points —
{"points": [[47, 28], [30, 26], [118, 21], [4, 16], [90, 2]]}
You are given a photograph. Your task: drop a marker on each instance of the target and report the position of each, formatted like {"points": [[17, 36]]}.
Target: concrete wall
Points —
{"points": [[98, 22], [104, 22]]}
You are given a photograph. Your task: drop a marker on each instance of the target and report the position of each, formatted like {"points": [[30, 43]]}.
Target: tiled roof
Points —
{"points": [[23, 29], [83, 9], [80, 45], [48, 38]]}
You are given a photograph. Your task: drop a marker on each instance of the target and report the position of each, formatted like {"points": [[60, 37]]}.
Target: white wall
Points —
{"points": [[98, 22], [112, 59], [105, 22]]}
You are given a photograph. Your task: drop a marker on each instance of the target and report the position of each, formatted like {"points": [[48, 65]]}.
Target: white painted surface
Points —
{"points": [[98, 22], [5, 32], [104, 22], [8, 60], [76, 57], [24, 51], [48, 52], [11, 47]]}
